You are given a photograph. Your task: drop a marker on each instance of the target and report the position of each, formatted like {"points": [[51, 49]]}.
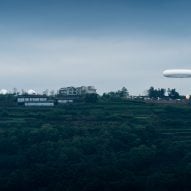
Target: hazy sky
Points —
{"points": [[105, 43]]}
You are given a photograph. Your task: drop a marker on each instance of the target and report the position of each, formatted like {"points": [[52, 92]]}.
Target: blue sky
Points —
{"points": [[108, 43], [96, 17]]}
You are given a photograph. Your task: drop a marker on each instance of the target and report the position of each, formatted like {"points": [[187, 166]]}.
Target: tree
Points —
{"points": [[123, 93], [156, 93], [91, 98], [152, 92], [161, 93], [173, 94]]}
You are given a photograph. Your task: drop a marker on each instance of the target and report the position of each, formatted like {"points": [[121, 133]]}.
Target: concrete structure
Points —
{"points": [[24, 99], [77, 91], [34, 100], [39, 104], [64, 101]]}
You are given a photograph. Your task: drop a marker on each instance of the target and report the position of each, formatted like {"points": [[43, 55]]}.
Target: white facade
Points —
{"points": [[65, 101], [31, 99], [90, 90], [49, 104], [34, 101]]}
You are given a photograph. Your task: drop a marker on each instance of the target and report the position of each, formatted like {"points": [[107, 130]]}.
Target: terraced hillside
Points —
{"points": [[175, 123], [120, 145]]}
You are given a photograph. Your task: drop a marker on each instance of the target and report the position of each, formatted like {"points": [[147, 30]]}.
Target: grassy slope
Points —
{"points": [[105, 146]]}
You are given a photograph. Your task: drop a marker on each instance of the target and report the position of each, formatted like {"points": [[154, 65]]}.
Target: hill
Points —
{"points": [[124, 145]]}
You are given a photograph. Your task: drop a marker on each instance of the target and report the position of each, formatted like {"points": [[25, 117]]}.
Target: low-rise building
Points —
{"points": [[77, 91], [34, 100], [31, 99], [64, 101], [39, 104]]}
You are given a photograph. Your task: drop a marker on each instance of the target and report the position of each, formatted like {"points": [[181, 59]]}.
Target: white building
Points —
{"points": [[77, 91], [47, 104], [31, 99], [34, 100], [64, 101]]}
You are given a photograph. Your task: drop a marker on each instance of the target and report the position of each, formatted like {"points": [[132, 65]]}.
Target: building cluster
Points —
{"points": [[72, 91], [34, 100], [65, 95]]}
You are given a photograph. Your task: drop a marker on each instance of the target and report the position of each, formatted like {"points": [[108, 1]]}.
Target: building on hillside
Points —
{"points": [[76, 91], [64, 101], [34, 100], [39, 104]]}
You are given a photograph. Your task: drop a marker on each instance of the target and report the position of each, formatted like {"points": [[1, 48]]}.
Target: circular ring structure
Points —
{"points": [[177, 73]]}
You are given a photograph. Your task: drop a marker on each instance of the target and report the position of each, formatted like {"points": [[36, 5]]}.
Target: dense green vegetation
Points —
{"points": [[160, 93], [122, 145]]}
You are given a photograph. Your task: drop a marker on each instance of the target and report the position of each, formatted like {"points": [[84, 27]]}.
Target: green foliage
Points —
{"points": [[118, 95], [91, 98], [173, 94], [122, 145], [156, 93], [160, 93]]}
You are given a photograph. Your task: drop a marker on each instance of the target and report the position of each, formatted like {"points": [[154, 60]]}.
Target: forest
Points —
{"points": [[109, 145]]}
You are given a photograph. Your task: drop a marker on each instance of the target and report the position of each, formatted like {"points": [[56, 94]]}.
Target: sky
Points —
{"points": [[49, 44]]}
